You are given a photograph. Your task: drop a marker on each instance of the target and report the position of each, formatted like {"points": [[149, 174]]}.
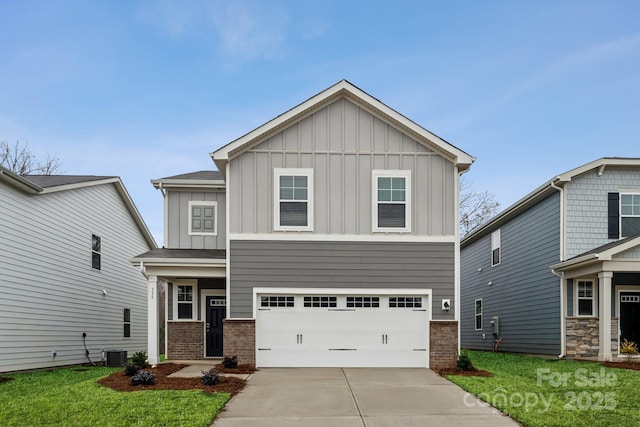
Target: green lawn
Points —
{"points": [[69, 397], [540, 392]]}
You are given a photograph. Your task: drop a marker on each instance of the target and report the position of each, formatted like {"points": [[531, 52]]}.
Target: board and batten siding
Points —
{"points": [[50, 293], [340, 265], [524, 294], [343, 143], [178, 220], [586, 206]]}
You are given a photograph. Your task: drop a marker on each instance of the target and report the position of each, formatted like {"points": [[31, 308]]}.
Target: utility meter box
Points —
{"points": [[495, 325]]}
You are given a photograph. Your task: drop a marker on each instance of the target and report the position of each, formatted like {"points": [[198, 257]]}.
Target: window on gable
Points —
{"points": [[184, 299], [392, 197], [294, 199], [496, 255], [203, 218], [585, 298], [478, 314], [629, 215], [127, 322], [96, 252]]}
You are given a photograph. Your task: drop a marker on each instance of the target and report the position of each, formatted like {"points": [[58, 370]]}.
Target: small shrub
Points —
{"points": [[464, 361], [143, 378], [210, 377], [230, 362], [131, 369], [628, 348], [140, 359]]}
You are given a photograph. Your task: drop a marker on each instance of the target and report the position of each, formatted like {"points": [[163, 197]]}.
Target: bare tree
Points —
{"points": [[475, 207], [19, 158]]}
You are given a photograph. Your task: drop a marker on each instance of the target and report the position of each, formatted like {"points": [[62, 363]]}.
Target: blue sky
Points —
{"points": [[145, 89]]}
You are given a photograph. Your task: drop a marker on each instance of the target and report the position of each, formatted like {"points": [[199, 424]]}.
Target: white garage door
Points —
{"points": [[341, 330]]}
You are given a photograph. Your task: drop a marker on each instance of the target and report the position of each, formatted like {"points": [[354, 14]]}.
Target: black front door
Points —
{"points": [[630, 317], [216, 311]]}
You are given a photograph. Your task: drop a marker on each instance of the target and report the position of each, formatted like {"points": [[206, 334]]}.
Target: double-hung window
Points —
{"points": [[96, 252], [496, 251], [293, 205], [127, 323], [391, 200], [203, 218], [184, 302], [629, 215], [585, 298], [478, 314]]}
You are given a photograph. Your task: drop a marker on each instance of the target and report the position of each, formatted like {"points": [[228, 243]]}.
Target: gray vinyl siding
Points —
{"points": [[524, 294], [342, 143], [178, 220], [586, 205], [340, 265], [50, 293]]}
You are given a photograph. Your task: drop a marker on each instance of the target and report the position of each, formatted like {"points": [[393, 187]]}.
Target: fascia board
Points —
{"points": [[605, 161], [19, 182]]}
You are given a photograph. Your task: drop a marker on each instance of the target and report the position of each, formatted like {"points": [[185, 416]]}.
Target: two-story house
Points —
{"points": [[68, 289], [558, 272], [329, 238]]}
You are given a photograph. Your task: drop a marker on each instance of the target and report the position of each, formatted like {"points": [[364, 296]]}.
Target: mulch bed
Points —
{"points": [[120, 382], [622, 365], [473, 372]]}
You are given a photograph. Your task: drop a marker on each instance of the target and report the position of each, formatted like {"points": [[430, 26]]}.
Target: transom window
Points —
{"points": [[392, 194], [127, 322], [320, 301], [405, 302], [293, 207], [276, 301], [203, 218], [629, 215], [585, 298], [496, 244], [96, 252], [478, 314], [185, 301], [363, 302]]}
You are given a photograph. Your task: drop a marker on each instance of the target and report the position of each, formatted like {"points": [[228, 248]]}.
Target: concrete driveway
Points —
{"points": [[355, 397]]}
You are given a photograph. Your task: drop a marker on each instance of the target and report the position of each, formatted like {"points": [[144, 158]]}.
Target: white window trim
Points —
{"points": [[99, 252], [475, 315], [194, 310], [277, 172], [594, 298], [620, 215], [215, 217], [496, 243], [381, 173]]}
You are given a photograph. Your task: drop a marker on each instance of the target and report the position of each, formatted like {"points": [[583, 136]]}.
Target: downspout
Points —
{"points": [[563, 302], [165, 204]]}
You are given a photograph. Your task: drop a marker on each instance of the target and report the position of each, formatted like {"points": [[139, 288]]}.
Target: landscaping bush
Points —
{"points": [[230, 362], [143, 378], [464, 362], [140, 359], [628, 348], [130, 369], [210, 377]]}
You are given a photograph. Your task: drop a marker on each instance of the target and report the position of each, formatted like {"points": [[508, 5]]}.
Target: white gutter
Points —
{"points": [[165, 205]]}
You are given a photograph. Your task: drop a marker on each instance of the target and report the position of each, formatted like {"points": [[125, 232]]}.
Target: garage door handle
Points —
{"points": [[299, 338], [385, 339], [342, 349]]}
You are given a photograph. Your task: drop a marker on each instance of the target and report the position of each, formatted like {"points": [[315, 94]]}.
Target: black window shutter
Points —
{"points": [[614, 215]]}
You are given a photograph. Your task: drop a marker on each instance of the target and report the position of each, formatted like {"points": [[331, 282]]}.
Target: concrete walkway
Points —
{"points": [[355, 397]]}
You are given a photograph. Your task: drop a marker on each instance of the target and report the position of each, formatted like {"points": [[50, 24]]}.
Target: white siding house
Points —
{"points": [[65, 276]]}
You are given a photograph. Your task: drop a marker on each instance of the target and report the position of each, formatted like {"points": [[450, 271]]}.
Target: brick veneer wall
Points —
{"points": [[185, 340], [443, 344], [239, 339]]}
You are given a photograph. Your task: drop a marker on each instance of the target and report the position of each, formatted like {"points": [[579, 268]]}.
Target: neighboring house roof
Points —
{"points": [[540, 193], [166, 253], [212, 179], [602, 253], [342, 89], [45, 184]]}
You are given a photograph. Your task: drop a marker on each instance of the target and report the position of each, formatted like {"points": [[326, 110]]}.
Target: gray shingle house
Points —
{"points": [[328, 238], [559, 269], [65, 244]]}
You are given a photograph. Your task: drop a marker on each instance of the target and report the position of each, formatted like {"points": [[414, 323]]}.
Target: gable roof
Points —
{"points": [[208, 178], [540, 193], [45, 184], [342, 89], [602, 253]]}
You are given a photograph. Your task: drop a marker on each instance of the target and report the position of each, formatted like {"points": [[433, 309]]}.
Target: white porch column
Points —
{"points": [[152, 320], [604, 312]]}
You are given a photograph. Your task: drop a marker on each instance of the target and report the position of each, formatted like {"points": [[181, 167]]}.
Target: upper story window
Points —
{"points": [[184, 302], [203, 218], [478, 314], [629, 215], [391, 200], [96, 252], [585, 298], [496, 252], [293, 206]]}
